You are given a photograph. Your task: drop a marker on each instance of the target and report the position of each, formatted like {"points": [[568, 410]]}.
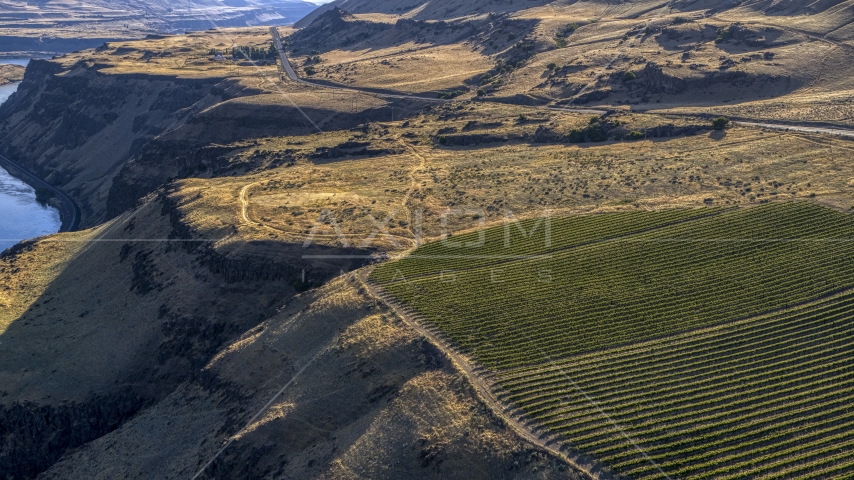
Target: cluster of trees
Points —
{"points": [[595, 131], [247, 52], [563, 34]]}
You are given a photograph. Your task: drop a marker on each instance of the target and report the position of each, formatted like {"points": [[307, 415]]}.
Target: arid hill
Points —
{"points": [[743, 58]]}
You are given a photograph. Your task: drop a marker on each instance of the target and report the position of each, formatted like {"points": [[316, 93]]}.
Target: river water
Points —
{"points": [[21, 216]]}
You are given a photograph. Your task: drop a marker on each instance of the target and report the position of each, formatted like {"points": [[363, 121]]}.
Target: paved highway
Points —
{"points": [[799, 128], [292, 74]]}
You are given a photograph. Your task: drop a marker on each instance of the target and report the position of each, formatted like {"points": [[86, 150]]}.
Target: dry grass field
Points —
{"points": [[409, 68], [418, 177], [735, 60], [181, 56]]}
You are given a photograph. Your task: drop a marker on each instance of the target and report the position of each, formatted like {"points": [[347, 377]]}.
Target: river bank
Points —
{"points": [[31, 207], [69, 213]]}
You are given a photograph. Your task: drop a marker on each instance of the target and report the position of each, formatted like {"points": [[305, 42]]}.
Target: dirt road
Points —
{"points": [[292, 74]]}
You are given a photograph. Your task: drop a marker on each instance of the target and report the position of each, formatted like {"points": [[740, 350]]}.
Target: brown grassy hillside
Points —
{"points": [[734, 58], [364, 398]]}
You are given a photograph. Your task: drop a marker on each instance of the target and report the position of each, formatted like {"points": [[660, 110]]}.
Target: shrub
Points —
{"points": [[451, 94], [721, 123], [44, 195], [595, 133], [551, 66], [310, 70], [725, 34], [635, 135], [568, 30], [481, 92], [629, 76]]}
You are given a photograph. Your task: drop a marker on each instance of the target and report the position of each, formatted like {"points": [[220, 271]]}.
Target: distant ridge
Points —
{"points": [[424, 9]]}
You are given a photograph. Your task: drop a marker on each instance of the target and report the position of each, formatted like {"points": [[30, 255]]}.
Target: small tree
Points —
{"points": [[576, 136], [721, 123]]}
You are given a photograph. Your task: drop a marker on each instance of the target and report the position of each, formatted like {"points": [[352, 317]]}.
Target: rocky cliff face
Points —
{"points": [[659, 82], [77, 127], [109, 140], [34, 436]]}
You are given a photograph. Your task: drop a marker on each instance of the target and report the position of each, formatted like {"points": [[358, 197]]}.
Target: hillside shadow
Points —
{"points": [[136, 310], [718, 135], [583, 145]]}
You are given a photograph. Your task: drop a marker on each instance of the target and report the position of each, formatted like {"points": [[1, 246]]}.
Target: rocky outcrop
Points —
{"points": [[657, 81]]}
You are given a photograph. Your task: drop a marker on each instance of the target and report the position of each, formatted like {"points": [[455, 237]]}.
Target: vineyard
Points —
{"points": [[708, 343], [765, 398]]}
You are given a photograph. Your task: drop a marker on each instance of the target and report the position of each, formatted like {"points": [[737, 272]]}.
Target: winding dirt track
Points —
{"points": [[244, 204]]}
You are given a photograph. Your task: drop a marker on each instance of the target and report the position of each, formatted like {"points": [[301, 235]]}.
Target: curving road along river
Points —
{"points": [[21, 215], [67, 210]]}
